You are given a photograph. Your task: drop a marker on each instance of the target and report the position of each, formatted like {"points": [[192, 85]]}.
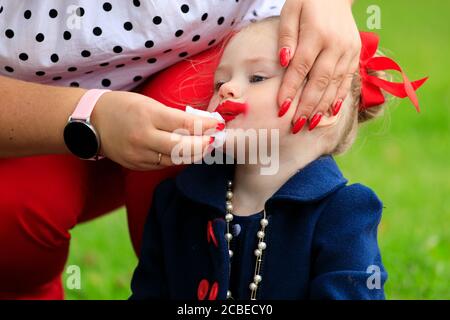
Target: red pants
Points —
{"points": [[42, 198]]}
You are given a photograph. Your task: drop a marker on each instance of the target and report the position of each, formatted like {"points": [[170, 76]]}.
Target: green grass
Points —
{"points": [[403, 157], [102, 249]]}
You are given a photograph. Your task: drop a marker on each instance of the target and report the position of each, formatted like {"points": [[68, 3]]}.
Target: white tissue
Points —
{"points": [[219, 136]]}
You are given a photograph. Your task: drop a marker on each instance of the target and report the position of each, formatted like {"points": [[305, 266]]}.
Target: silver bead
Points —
{"points": [[261, 234], [253, 286], [229, 195], [228, 236], [229, 217], [228, 294], [264, 222], [229, 184], [262, 245], [230, 253], [258, 252], [257, 279], [229, 206]]}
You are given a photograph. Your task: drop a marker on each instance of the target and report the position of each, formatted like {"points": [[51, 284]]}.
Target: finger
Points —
{"points": [[288, 30], [319, 80], [329, 101], [151, 159], [141, 166], [169, 142], [304, 58], [171, 119], [346, 84], [185, 152]]}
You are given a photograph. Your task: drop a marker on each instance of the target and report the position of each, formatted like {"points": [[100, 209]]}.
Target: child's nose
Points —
{"points": [[229, 90]]}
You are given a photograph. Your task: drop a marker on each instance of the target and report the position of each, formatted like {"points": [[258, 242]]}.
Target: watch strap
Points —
{"points": [[87, 103]]}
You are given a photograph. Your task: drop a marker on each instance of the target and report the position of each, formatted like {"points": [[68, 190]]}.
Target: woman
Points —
{"points": [[116, 46]]}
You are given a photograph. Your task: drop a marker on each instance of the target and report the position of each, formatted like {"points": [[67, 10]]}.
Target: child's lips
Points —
{"points": [[231, 109]]}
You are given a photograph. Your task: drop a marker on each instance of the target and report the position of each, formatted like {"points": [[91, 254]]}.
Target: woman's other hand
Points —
{"points": [[320, 45]]}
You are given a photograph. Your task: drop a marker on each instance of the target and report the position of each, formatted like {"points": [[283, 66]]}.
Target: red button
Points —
{"points": [[214, 291], [202, 290]]}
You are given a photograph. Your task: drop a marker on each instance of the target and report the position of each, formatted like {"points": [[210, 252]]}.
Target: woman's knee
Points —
{"points": [[33, 247], [40, 201]]}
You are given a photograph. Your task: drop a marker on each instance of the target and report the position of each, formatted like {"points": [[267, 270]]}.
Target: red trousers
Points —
{"points": [[42, 198]]}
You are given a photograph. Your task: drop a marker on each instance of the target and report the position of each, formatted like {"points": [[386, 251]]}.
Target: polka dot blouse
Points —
{"points": [[113, 44]]}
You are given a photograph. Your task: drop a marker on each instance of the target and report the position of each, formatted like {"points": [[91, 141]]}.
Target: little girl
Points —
{"points": [[221, 231]]}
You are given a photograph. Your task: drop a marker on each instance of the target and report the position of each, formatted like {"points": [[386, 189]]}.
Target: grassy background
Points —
{"points": [[403, 157]]}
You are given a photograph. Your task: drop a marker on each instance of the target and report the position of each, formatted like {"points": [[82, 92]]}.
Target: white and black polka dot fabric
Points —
{"points": [[113, 44]]}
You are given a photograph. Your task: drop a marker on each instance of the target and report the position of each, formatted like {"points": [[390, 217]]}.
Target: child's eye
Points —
{"points": [[256, 78], [217, 85]]}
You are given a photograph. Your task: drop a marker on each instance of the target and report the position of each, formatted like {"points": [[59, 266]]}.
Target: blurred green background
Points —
{"points": [[403, 156]]}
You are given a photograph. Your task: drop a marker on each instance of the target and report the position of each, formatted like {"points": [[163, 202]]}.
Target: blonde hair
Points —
{"points": [[357, 116]]}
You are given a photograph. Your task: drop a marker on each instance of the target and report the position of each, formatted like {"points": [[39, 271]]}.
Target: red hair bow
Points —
{"points": [[371, 86]]}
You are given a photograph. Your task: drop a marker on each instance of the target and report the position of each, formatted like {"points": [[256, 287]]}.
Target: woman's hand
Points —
{"points": [[134, 129], [320, 44]]}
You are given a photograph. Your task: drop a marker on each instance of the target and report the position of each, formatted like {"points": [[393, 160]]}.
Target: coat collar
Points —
{"points": [[207, 184]]}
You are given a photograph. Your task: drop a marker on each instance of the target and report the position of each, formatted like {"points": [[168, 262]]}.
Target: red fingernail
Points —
{"points": [[211, 140], [220, 126], [315, 121], [285, 56], [337, 107], [284, 107], [299, 124]]}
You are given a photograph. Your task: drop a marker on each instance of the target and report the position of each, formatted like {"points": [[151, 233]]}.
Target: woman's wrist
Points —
{"points": [[33, 117]]}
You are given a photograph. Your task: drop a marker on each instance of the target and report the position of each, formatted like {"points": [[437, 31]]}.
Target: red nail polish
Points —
{"points": [[284, 107], [220, 126], [299, 124], [315, 121], [337, 107], [211, 140], [285, 56]]}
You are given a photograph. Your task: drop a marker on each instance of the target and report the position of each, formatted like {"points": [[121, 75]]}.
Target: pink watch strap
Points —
{"points": [[87, 103], [85, 106]]}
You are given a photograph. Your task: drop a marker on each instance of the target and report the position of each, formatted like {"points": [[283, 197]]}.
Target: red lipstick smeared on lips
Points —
{"points": [[231, 109]]}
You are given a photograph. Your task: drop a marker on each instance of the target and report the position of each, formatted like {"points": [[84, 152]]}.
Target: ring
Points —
{"points": [[159, 159]]}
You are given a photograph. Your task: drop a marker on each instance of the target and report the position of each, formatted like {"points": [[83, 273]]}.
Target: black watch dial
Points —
{"points": [[81, 139]]}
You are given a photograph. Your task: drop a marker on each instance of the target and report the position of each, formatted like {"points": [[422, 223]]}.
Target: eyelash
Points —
{"points": [[217, 85]]}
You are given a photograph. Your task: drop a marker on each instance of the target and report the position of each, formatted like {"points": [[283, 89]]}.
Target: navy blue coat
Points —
{"points": [[321, 238]]}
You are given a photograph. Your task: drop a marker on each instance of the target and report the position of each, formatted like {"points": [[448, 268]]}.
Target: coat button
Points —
{"points": [[210, 234], [202, 290], [214, 291]]}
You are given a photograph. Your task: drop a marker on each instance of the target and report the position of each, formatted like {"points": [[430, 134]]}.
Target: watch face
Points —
{"points": [[81, 139]]}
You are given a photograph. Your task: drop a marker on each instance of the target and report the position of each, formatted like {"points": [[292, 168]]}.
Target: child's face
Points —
{"points": [[250, 72]]}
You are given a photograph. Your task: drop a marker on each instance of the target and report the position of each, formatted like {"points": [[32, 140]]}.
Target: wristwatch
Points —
{"points": [[80, 136]]}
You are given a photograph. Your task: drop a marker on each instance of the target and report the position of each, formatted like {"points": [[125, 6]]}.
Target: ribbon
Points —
{"points": [[371, 94]]}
